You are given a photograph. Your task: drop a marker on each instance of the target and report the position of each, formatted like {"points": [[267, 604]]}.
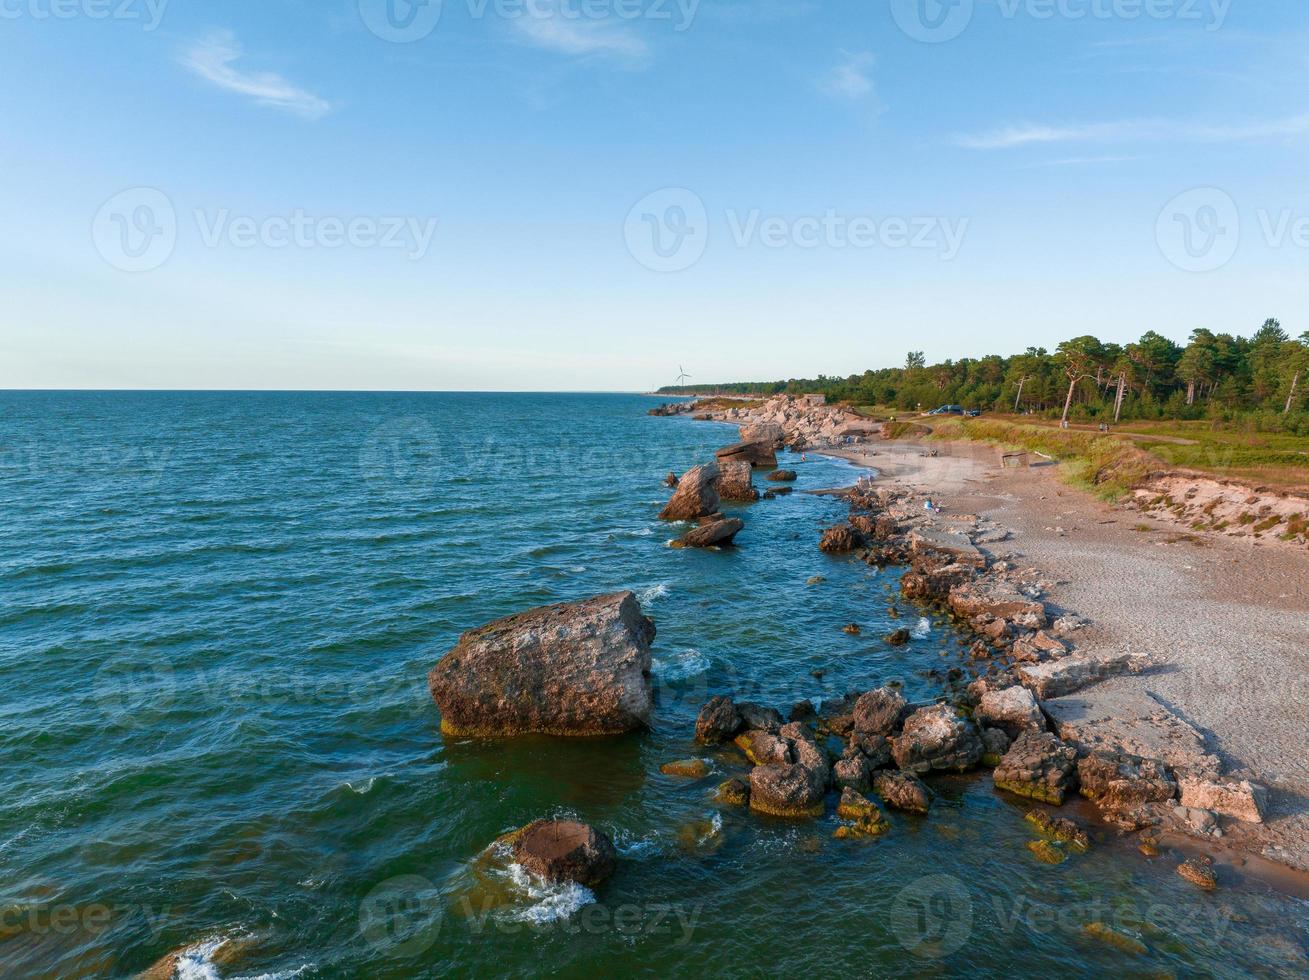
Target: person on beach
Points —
{"points": [[930, 506]]}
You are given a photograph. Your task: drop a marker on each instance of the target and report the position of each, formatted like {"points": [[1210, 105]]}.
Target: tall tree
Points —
{"points": [[1080, 357]]}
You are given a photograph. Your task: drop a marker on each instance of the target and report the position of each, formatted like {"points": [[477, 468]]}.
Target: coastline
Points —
{"points": [[1219, 617], [1225, 615]]}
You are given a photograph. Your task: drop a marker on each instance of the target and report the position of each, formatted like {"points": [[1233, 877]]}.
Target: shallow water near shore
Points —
{"points": [[217, 612]]}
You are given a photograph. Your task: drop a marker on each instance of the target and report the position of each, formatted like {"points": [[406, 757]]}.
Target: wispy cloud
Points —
{"points": [[546, 26], [850, 79], [214, 59], [1135, 131]]}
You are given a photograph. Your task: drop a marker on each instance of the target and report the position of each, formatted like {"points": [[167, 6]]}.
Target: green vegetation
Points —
{"points": [[1107, 466], [1260, 382]]}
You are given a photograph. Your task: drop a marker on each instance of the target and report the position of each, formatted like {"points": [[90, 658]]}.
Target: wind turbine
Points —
{"points": [[682, 376]]}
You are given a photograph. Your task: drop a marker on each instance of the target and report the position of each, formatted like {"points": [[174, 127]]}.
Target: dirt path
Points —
{"points": [[1230, 616]]}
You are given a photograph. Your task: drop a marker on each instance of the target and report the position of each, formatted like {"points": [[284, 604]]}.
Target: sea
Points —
{"points": [[219, 757]]}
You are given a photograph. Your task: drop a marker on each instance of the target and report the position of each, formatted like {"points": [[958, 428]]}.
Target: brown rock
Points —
{"points": [[785, 790], [937, 738], [852, 772], [712, 533], [839, 539], [903, 791], [696, 494], [580, 668], [1122, 783], [996, 598], [688, 768], [898, 638], [733, 792], [718, 721], [565, 850], [1231, 797], [763, 748], [1199, 871], [1038, 766], [736, 481], [754, 453], [783, 476], [877, 711], [1012, 710]]}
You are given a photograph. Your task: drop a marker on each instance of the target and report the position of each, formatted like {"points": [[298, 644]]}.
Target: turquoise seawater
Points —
{"points": [[217, 612]]}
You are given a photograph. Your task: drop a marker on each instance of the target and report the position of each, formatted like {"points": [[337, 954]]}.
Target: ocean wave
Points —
{"points": [[363, 787], [196, 963], [635, 848], [922, 629], [549, 902], [651, 592], [681, 665]]}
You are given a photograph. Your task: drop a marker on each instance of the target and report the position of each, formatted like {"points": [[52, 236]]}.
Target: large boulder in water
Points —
{"points": [[736, 482], [578, 668], [714, 531], [696, 495], [565, 850], [1039, 766]]}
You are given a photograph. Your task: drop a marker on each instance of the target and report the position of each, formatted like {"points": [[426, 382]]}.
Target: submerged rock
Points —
{"points": [[579, 668], [696, 495], [689, 768], [898, 638], [868, 819], [1047, 852], [1199, 871], [783, 476], [565, 850], [937, 738], [1112, 937], [1038, 766], [733, 792], [1060, 828]]}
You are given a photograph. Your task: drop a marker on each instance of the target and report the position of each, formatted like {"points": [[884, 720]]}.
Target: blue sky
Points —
{"points": [[545, 194]]}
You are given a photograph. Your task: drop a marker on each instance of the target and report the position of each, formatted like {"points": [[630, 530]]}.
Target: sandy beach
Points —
{"points": [[1225, 616]]}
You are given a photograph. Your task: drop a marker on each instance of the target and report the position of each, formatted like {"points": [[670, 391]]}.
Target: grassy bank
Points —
{"points": [[1105, 465]]}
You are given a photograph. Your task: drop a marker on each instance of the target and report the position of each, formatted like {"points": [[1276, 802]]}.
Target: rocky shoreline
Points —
{"points": [[1007, 706]]}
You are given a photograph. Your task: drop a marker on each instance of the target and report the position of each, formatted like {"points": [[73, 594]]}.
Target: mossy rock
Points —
{"points": [[1033, 791], [733, 792], [1112, 937], [1047, 852], [689, 768]]}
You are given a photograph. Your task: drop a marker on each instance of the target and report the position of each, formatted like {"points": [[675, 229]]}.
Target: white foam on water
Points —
{"points": [[922, 629], [680, 665], [650, 593], [280, 974], [636, 848], [197, 962], [362, 788], [549, 902]]}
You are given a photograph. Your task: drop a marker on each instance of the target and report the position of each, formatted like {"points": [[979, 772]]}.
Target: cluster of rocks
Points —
{"points": [[1026, 668], [885, 744], [697, 497], [794, 421]]}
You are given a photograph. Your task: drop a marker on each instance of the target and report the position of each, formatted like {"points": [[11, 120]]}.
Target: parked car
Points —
{"points": [[972, 413], [947, 410]]}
